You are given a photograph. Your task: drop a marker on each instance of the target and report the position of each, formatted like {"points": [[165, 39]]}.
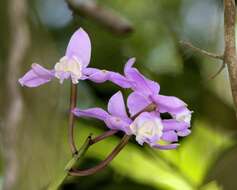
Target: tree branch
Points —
{"points": [[230, 49], [107, 18], [229, 57]]}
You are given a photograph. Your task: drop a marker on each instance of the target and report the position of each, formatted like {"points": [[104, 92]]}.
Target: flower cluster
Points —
{"points": [[147, 126]]}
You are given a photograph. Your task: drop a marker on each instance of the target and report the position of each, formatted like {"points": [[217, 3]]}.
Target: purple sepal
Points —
{"points": [[97, 113], [80, 47], [100, 76], [136, 102], [116, 118], [139, 82], [172, 124], [37, 76], [168, 103], [170, 136]]}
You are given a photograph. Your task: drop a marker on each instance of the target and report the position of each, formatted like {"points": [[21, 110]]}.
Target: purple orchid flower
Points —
{"points": [[148, 127], [146, 91], [116, 118], [73, 65]]}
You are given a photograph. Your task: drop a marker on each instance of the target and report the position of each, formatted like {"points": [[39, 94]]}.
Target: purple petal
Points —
{"points": [[37, 76], [172, 124], [168, 103], [116, 106], [138, 81], [119, 80], [80, 47], [182, 114], [170, 136], [137, 102], [119, 124], [100, 76], [96, 75], [166, 147], [97, 113], [129, 64], [184, 133]]}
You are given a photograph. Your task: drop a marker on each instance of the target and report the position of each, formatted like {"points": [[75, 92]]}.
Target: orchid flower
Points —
{"points": [[146, 91], [116, 118], [148, 127], [72, 65]]}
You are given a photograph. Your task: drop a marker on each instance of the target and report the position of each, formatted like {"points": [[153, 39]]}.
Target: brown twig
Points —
{"points": [[110, 157], [218, 71], [104, 16], [229, 57], [206, 53], [201, 51], [103, 136], [230, 49], [73, 103], [105, 162]]}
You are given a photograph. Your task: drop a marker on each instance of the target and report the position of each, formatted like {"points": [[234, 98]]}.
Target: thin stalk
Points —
{"points": [[58, 182], [73, 103], [104, 163], [115, 152]]}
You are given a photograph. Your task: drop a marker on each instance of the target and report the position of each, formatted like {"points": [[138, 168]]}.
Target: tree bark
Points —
{"points": [[230, 50]]}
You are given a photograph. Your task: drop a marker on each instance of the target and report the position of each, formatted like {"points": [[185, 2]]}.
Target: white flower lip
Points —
{"points": [[147, 130], [71, 66]]}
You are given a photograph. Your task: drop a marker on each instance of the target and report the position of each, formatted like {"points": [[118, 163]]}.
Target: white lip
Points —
{"points": [[146, 129], [69, 65]]}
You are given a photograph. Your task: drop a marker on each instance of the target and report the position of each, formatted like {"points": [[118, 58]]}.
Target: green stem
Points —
{"points": [[76, 157]]}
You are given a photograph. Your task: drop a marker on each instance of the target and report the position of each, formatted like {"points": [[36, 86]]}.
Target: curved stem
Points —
{"points": [[73, 103], [103, 136], [57, 183], [118, 148], [104, 163]]}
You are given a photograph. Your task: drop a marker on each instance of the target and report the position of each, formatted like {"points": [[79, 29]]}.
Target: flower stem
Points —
{"points": [[115, 152], [104, 163], [103, 136], [73, 103], [89, 142], [57, 183]]}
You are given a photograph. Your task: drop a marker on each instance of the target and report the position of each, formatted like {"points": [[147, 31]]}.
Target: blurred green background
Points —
{"points": [[205, 160]]}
